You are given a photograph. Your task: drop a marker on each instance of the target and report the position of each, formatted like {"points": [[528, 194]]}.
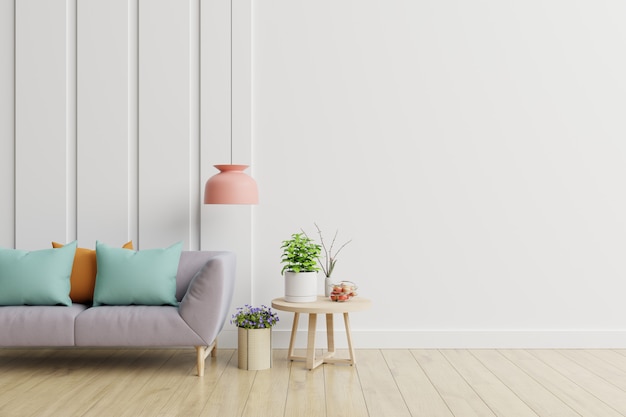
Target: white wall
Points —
{"points": [[474, 150]]}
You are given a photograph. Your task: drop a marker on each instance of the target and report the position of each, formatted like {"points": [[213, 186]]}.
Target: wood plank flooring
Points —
{"points": [[395, 383]]}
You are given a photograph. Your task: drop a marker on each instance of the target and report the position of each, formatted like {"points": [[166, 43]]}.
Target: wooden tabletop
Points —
{"points": [[323, 305]]}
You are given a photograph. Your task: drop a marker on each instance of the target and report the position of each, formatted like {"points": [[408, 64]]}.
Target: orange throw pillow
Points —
{"points": [[83, 278]]}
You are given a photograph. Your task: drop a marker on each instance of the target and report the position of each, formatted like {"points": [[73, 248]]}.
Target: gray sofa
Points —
{"points": [[204, 288]]}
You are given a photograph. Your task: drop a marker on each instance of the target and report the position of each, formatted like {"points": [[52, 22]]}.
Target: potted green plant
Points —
{"points": [[300, 267], [329, 260], [254, 336]]}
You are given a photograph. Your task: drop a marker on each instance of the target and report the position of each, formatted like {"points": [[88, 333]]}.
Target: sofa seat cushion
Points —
{"points": [[134, 326], [23, 326]]}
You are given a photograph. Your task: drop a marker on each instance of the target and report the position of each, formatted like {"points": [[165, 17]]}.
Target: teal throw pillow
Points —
{"points": [[40, 277], [126, 277]]}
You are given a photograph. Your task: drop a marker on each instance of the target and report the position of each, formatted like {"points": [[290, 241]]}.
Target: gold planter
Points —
{"points": [[254, 349]]}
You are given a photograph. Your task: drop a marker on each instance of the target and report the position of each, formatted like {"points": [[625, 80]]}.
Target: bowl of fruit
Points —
{"points": [[343, 291]]}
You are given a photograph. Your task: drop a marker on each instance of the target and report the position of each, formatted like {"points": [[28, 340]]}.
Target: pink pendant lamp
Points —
{"points": [[231, 185]]}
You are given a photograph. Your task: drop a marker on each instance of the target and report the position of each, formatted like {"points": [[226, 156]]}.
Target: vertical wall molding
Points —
{"points": [[71, 120], [133, 121], [7, 123], [195, 195]]}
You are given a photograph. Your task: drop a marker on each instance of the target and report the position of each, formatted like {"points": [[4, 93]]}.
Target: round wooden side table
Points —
{"points": [[323, 305]]}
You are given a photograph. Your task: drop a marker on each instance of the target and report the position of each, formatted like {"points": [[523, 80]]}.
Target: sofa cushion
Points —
{"points": [[35, 326], [39, 277], [83, 277], [134, 326], [146, 277]]}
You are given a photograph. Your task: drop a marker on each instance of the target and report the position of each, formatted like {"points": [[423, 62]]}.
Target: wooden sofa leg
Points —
{"points": [[202, 353], [214, 350]]}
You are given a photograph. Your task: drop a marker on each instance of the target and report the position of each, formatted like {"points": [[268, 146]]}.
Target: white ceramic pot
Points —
{"points": [[254, 349], [300, 287], [328, 286]]}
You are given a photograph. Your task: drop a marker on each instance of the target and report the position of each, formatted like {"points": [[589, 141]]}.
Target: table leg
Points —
{"points": [[292, 340], [346, 320], [310, 349], [330, 335]]}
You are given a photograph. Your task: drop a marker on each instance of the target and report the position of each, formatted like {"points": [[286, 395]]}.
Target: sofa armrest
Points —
{"points": [[207, 301]]}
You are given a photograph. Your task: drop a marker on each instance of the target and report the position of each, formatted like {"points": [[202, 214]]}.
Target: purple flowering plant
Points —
{"points": [[249, 317]]}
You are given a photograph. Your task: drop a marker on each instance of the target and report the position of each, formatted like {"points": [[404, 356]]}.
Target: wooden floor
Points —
{"points": [[396, 383]]}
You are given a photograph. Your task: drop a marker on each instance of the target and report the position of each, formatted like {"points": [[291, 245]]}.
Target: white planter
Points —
{"points": [[300, 287]]}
